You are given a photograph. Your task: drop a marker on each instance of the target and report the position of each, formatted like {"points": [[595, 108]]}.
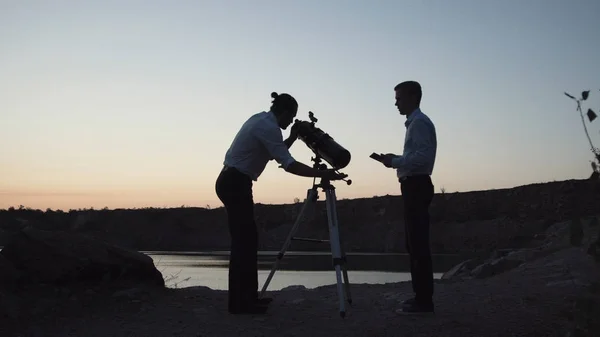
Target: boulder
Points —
{"points": [[500, 261], [63, 258], [556, 237], [495, 267], [460, 270]]}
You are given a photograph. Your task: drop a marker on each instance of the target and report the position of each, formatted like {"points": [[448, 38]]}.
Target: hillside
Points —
{"points": [[479, 221]]}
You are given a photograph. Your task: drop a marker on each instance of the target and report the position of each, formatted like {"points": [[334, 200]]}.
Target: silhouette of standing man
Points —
{"points": [[258, 141], [414, 168]]}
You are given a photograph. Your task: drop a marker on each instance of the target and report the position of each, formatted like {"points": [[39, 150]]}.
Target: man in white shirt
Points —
{"points": [[414, 168], [258, 141]]}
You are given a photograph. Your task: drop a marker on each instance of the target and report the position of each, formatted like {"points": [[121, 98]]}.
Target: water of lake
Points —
{"points": [[309, 269]]}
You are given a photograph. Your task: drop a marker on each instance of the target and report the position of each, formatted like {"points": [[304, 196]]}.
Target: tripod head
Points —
{"points": [[322, 166]]}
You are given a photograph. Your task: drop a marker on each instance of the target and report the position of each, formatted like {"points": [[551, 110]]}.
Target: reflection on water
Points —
{"points": [[312, 269]]}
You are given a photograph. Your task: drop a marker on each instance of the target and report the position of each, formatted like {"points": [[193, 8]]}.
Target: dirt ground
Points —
{"points": [[535, 299]]}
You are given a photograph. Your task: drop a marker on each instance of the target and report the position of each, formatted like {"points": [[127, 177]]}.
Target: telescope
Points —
{"points": [[322, 144]]}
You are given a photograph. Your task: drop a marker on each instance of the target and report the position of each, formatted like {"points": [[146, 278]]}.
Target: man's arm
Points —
{"points": [[420, 134], [290, 140], [278, 149], [293, 136]]}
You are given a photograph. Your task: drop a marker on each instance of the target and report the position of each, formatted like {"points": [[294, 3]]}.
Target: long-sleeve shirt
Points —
{"points": [[420, 146], [258, 141]]}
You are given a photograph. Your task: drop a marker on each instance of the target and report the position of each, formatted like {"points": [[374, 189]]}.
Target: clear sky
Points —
{"points": [[134, 103]]}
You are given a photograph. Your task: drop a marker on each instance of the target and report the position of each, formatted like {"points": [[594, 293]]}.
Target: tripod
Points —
{"points": [[337, 251]]}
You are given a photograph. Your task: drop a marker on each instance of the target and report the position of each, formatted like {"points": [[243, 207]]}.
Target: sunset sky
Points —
{"points": [[134, 103]]}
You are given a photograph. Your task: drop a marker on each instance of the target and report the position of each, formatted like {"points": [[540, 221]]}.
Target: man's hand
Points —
{"points": [[387, 159], [330, 174], [293, 136]]}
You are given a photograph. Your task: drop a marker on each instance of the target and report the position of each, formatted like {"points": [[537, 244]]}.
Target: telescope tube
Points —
{"points": [[323, 145]]}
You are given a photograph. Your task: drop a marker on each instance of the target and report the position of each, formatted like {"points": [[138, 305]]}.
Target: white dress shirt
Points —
{"points": [[258, 141], [420, 146]]}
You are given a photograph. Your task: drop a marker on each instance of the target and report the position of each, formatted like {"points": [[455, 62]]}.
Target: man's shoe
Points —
{"points": [[416, 308]]}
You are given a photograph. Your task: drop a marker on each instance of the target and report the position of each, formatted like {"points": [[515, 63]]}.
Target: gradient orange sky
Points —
{"points": [[131, 104]]}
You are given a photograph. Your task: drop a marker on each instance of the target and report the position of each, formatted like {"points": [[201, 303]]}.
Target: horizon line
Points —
{"points": [[106, 208]]}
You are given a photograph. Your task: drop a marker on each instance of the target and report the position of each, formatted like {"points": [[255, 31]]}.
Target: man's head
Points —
{"points": [[408, 96], [284, 108]]}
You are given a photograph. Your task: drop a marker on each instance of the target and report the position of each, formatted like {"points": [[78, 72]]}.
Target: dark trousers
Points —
{"points": [[234, 189], [417, 193]]}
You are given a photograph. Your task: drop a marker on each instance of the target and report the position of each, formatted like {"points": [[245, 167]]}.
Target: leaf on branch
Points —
{"points": [[585, 94], [571, 97], [591, 115]]}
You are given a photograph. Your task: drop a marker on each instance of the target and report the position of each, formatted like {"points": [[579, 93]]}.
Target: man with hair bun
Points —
{"points": [[258, 141]]}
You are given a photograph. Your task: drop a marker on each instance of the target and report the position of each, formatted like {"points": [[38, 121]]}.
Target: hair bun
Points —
{"points": [[274, 94]]}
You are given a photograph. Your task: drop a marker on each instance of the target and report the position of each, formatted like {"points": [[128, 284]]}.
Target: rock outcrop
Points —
{"points": [[62, 258], [577, 232], [41, 269]]}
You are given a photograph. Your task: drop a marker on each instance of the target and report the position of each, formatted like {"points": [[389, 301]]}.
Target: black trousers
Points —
{"points": [[234, 189], [417, 193]]}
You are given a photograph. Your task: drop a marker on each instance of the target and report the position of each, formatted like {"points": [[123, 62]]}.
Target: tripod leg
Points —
{"points": [[336, 252], [310, 200], [345, 270], [344, 259]]}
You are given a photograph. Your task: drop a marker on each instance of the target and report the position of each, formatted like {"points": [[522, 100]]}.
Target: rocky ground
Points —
{"points": [[552, 289], [535, 299]]}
